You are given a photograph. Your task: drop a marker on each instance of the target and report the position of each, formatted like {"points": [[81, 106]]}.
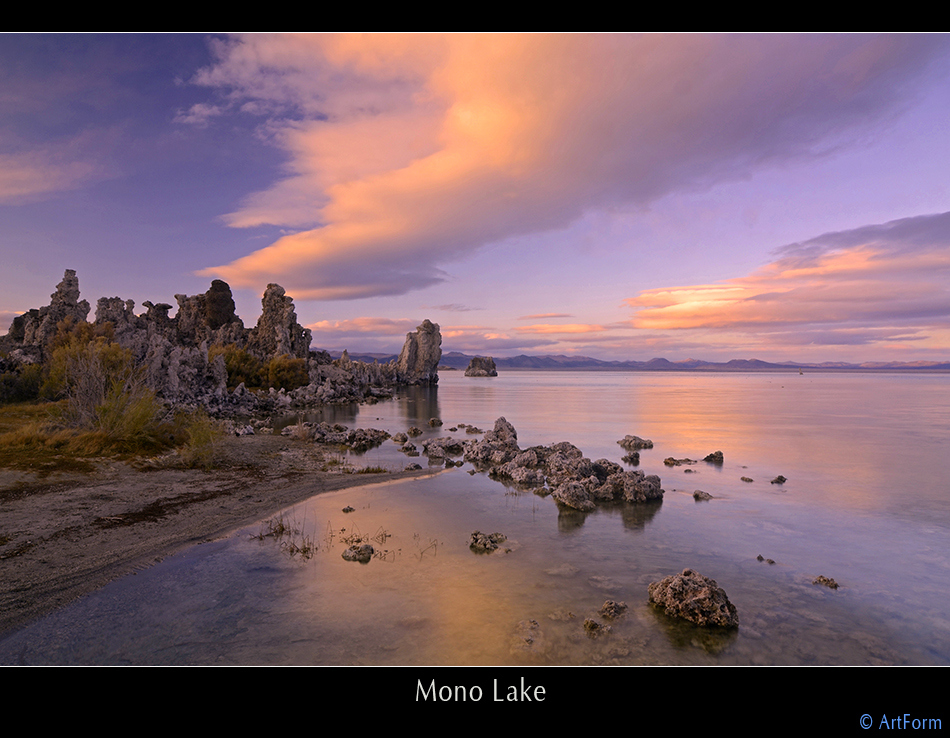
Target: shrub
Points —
{"points": [[241, 365], [203, 436], [21, 384], [284, 372]]}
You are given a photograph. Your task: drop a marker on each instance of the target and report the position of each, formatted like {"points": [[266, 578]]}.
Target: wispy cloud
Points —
{"points": [[408, 152], [357, 326], [452, 308], [560, 328], [30, 175], [877, 284]]}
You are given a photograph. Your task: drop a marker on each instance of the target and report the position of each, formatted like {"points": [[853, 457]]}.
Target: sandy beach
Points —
{"points": [[65, 535]]}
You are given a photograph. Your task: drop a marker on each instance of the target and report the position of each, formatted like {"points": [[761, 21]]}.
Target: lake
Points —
{"points": [[865, 503]]}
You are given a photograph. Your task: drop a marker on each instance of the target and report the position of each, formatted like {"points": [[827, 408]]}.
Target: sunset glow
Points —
{"points": [[613, 195]]}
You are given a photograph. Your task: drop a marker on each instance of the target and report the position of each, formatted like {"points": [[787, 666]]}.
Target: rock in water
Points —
{"points": [[696, 598], [419, 359], [481, 366], [362, 553]]}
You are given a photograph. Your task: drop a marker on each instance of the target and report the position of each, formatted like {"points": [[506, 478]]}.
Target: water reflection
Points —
{"points": [[428, 599], [633, 516]]}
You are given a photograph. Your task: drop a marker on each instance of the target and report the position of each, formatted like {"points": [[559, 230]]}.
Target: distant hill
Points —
{"points": [[458, 360], [554, 362]]}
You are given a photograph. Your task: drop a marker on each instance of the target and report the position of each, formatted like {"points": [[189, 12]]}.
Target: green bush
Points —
{"points": [[22, 384]]}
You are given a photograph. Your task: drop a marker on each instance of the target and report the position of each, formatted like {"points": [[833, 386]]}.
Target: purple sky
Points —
{"points": [[783, 197]]}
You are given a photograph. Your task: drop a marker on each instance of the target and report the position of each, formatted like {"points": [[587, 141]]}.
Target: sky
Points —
{"points": [[779, 197]]}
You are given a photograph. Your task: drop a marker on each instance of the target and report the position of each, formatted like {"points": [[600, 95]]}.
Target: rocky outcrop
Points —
{"points": [[174, 351], [574, 480], [277, 331], [696, 598], [37, 327], [418, 361], [481, 366], [208, 318]]}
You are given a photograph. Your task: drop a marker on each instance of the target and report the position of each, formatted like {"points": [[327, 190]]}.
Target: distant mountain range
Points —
{"points": [[458, 360]]}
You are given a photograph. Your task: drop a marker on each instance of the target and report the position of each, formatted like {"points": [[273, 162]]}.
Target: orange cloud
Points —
{"points": [[562, 328], [406, 152], [889, 282], [377, 326]]}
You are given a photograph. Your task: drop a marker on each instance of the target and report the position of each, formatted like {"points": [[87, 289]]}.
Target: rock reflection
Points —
{"points": [[633, 515], [685, 635]]}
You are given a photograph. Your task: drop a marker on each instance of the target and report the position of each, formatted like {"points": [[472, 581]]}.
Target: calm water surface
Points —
{"points": [[866, 503]]}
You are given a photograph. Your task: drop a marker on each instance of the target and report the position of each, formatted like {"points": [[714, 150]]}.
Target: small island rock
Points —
{"points": [[481, 366]]}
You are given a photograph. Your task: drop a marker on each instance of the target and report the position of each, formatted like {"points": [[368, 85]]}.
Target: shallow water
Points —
{"points": [[864, 503]]}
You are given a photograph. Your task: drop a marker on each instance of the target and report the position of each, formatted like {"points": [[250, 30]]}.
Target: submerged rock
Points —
{"points": [[779, 480], [612, 609], [481, 366], [594, 628], [714, 458], [701, 496], [670, 461], [826, 581], [528, 638], [696, 598], [486, 542]]}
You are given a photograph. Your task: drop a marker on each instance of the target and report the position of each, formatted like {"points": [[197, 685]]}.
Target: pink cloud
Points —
{"points": [[407, 152]]}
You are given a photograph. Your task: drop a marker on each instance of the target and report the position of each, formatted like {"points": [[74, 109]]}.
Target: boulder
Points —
{"points": [[696, 598], [481, 366]]}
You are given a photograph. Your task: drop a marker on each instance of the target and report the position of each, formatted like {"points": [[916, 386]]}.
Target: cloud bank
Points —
{"points": [[405, 153], [880, 284]]}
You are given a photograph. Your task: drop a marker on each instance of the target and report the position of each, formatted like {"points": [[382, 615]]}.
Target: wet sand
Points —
{"points": [[65, 535]]}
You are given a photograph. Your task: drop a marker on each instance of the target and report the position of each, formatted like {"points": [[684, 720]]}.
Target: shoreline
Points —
{"points": [[63, 536]]}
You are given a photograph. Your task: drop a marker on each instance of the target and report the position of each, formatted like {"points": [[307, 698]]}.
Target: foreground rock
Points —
{"points": [[574, 480], [696, 598], [481, 366]]}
